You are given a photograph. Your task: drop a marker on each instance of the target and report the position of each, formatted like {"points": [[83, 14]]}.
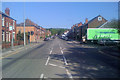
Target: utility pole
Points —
{"points": [[12, 35], [24, 26]]}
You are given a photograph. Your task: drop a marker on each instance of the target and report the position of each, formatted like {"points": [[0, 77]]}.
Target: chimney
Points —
{"points": [[80, 24], [7, 11], [86, 21]]}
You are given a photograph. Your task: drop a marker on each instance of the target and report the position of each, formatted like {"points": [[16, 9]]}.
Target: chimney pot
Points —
{"points": [[86, 21], [80, 24], [7, 11]]}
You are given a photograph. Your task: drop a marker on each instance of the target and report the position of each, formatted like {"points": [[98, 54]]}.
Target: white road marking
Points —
{"points": [[60, 46], [51, 52], [69, 74], [62, 51], [42, 76], [47, 60], [64, 58], [56, 65]]}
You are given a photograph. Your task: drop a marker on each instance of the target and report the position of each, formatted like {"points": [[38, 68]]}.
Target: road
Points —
{"points": [[60, 59]]}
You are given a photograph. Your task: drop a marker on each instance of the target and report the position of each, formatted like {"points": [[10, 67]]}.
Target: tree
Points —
{"points": [[112, 24], [20, 36], [57, 30], [119, 26]]}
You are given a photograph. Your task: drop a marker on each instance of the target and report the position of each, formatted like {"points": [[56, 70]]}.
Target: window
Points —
{"points": [[3, 21], [99, 18], [3, 35], [6, 24], [9, 36], [20, 30], [9, 24]]}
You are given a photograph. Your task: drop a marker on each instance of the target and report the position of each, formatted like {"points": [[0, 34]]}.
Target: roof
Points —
{"points": [[103, 25], [30, 23], [93, 20], [6, 15]]}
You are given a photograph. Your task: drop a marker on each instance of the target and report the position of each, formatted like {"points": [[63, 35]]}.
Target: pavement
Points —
{"points": [[6, 51], [58, 59]]}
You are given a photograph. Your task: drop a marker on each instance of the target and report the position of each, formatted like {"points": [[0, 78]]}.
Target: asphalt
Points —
{"points": [[60, 59]]}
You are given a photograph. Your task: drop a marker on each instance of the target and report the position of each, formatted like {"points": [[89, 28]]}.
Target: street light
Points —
{"points": [[12, 35], [24, 26]]}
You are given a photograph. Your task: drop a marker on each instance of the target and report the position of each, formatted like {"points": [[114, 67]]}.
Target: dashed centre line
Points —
{"points": [[68, 73], [64, 58], [42, 76], [48, 58], [65, 61]]}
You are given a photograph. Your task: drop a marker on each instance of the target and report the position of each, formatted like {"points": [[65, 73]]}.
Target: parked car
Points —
{"points": [[106, 42], [46, 39]]}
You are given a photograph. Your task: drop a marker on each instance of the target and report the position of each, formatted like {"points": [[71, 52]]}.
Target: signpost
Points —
{"points": [[102, 33]]}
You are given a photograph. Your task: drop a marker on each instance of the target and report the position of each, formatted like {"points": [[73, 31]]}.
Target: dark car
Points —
{"points": [[46, 39]]}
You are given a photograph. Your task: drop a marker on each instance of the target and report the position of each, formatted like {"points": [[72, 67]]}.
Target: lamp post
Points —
{"points": [[12, 35], [24, 26]]}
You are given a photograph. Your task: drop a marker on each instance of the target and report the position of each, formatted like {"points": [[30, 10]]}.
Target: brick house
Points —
{"points": [[71, 33], [7, 24], [0, 30], [79, 30], [74, 31], [96, 22], [35, 31], [48, 33]]}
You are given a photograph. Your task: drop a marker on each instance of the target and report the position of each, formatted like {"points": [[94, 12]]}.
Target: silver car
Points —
{"points": [[106, 42]]}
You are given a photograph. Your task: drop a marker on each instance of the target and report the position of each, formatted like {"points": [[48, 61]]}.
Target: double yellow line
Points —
{"points": [[9, 54]]}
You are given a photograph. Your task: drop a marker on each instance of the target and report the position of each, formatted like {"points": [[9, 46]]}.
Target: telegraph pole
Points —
{"points": [[24, 26], [12, 34]]}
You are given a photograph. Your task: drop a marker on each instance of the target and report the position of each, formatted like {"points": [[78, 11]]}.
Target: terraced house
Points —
{"points": [[8, 25], [79, 30], [36, 32]]}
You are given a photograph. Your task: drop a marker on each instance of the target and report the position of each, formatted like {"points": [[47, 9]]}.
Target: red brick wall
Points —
{"points": [[0, 28], [6, 27], [27, 29], [8, 45], [97, 23]]}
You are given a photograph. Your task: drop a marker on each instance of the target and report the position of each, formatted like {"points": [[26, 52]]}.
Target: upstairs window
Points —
{"points": [[6, 24], [3, 21]]}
